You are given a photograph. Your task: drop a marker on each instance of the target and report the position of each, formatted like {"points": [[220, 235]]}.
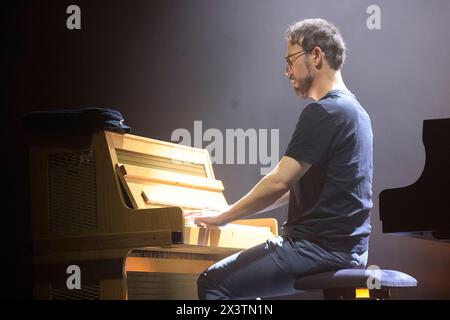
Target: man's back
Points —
{"points": [[331, 204]]}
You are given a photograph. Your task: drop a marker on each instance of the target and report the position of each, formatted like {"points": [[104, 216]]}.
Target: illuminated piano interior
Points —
{"points": [[113, 204]]}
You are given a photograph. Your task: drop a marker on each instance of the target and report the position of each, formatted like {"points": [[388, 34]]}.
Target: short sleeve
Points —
{"points": [[313, 136]]}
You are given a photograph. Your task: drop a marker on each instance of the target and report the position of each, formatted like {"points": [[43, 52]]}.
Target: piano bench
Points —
{"points": [[351, 284]]}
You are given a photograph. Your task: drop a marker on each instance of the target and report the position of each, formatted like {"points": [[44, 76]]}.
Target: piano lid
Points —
{"points": [[422, 209]]}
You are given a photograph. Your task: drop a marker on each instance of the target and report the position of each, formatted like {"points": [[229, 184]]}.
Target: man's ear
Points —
{"points": [[318, 57]]}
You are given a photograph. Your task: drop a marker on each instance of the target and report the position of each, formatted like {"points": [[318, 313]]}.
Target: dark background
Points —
{"points": [[164, 64]]}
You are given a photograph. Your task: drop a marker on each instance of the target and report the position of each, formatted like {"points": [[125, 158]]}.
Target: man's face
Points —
{"points": [[298, 70]]}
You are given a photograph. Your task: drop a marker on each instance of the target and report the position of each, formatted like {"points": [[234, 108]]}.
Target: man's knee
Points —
{"points": [[209, 289]]}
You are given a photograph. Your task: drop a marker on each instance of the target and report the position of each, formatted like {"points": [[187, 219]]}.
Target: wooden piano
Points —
{"points": [[112, 204]]}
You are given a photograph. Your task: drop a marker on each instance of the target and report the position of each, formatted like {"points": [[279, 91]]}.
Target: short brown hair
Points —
{"points": [[311, 33]]}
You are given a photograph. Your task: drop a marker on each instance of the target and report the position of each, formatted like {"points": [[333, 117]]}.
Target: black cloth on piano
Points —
{"points": [[82, 121]]}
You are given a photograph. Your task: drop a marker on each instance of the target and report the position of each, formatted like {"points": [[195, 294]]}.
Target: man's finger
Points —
{"points": [[192, 212], [199, 223]]}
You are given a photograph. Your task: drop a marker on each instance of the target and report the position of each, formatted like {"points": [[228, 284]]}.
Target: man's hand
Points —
{"points": [[206, 217], [209, 220]]}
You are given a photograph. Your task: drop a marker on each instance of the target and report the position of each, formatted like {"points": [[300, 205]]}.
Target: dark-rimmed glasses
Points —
{"points": [[290, 62]]}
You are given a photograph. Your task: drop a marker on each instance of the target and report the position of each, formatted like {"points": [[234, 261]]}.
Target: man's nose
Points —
{"points": [[288, 72]]}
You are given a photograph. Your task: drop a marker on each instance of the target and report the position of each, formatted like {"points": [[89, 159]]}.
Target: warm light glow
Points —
{"points": [[362, 293]]}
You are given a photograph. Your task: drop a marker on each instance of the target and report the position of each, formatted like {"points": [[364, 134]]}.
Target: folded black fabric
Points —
{"points": [[79, 121]]}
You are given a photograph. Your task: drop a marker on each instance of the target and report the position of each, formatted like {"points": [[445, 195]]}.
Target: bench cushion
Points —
{"points": [[355, 278]]}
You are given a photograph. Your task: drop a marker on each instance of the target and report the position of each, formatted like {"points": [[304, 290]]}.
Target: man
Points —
{"points": [[325, 175]]}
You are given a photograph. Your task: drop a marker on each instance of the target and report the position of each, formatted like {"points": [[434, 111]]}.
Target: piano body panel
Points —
{"points": [[109, 211], [95, 204], [102, 274], [103, 241], [128, 273], [420, 210], [127, 148], [169, 273], [105, 289], [153, 194]]}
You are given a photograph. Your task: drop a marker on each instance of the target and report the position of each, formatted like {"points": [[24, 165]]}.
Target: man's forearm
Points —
{"points": [[264, 194], [283, 200]]}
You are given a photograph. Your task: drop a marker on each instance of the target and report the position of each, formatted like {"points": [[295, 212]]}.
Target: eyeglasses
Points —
{"points": [[290, 62]]}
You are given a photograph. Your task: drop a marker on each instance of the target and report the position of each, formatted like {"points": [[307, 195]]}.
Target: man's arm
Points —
{"points": [[268, 190], [283, 200]]}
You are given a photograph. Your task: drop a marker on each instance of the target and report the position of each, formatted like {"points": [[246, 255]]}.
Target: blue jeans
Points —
{"points": [[269, 269]]}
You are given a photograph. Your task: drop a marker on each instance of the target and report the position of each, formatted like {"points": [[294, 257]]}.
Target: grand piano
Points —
{"points": [[113, 205], [421, 210]]}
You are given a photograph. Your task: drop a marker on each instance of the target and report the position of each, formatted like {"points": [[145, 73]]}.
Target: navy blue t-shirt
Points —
{"points": [[330, 205]]}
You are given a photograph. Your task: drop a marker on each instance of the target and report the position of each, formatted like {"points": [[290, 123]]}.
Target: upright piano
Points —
{"points": [[112, 207], [421, 210]]}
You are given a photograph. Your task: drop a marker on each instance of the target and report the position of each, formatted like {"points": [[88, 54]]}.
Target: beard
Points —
{"points": [[303, 85]]}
